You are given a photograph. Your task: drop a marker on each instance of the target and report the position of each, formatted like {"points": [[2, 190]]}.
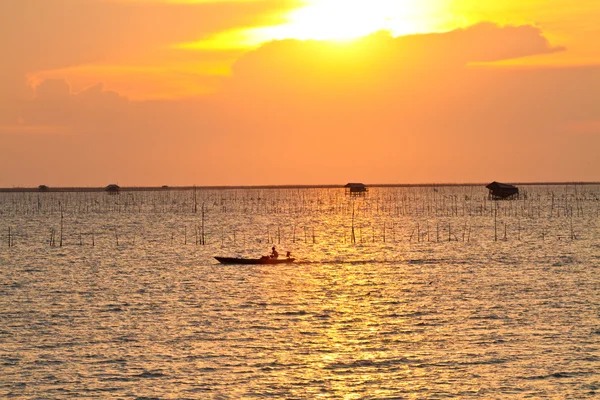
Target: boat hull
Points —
{"points": [[254, 261]]}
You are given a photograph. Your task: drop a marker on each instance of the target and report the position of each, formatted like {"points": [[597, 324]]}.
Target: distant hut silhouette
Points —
{"points": [[43, 188], [356, 189], [502, 191], [112, 189]]}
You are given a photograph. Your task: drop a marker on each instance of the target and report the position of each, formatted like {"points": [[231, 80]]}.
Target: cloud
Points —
{"points": [[53, 104], [50, 34], [380, 52], [382, 109]]}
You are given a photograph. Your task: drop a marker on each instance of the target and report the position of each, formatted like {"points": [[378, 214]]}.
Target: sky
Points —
{"points": [[277, 92]]}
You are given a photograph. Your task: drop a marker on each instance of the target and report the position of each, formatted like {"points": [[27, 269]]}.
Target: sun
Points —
{"points": [[351, 19], [341, 20]]}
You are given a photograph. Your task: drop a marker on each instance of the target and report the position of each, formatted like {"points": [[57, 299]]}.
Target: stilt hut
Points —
{"points": [[502, 191], [112, 189], [356, 189]]}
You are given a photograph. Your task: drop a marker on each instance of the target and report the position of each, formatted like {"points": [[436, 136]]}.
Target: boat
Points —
{"points": [[254, 261]]}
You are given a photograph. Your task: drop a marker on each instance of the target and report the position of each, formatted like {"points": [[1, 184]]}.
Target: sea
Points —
{"points": [[430, 292]]}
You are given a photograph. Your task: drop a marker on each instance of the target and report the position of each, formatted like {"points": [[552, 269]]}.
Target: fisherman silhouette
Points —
{"points": [[274, 253]]}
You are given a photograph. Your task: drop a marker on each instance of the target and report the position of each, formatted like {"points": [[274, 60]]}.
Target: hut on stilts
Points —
{"points": [[502, 191]]}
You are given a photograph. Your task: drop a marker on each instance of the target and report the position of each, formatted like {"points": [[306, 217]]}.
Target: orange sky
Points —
{"points": [[245, 92]]}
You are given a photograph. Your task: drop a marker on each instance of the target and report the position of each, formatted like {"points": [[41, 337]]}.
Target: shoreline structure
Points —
{"points": [[267, 187]]}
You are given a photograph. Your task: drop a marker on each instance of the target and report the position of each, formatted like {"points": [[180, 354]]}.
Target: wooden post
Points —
{"points": [[495, 226], [202, 237], [61, 224], [195, 202], [572, 233], [353, 237]]}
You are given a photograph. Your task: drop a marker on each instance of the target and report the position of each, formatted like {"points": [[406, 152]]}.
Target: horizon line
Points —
{"points": [[287, 186]]}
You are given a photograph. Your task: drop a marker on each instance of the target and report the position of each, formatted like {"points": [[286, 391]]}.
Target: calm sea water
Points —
{"points": [[439, 294]]}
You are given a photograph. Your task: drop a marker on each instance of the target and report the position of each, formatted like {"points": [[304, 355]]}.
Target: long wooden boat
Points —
{"points": [[254, 261]]}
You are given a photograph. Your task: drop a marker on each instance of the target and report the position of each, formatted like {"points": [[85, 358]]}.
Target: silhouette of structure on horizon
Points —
{"points": [[112, 189], [43, 188], [356, 189], [502, 191]]}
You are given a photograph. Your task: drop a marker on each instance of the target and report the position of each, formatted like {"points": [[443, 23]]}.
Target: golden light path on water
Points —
{"points": [[442, 294]]}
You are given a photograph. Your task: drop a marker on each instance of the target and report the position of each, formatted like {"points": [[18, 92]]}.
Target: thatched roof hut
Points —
{"points": [[502, 191]]}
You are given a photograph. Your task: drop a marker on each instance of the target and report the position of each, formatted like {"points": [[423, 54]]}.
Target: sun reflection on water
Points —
{"points": [[404, 313]]}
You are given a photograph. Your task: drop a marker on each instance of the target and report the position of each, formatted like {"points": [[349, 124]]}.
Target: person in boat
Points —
{"points": [[289, 254], [274, 253]]}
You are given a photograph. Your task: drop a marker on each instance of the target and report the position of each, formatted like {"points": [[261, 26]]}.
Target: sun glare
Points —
{"points": [[341, 20], [351, 19]]}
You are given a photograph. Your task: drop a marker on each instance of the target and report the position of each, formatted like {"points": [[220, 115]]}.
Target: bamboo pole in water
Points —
{"points": [[202, 237], [495, 226], [195, 202], [353, 237], [61, 225], [294, 233]]}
